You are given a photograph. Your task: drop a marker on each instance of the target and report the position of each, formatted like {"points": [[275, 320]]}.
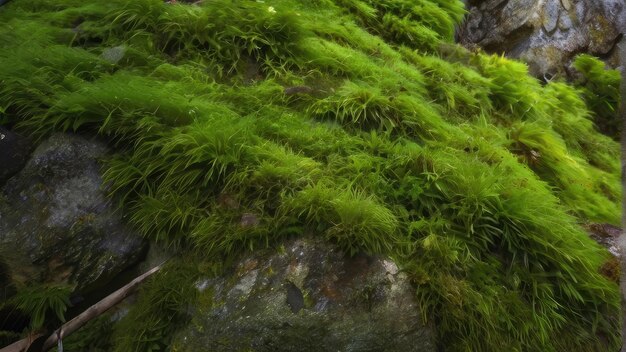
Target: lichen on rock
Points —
{"points": [[55, 214], [309, 297]]}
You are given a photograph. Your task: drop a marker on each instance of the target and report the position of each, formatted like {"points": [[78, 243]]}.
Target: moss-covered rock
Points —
{"points": [[473, 175], [307, 297], [57, 226]]}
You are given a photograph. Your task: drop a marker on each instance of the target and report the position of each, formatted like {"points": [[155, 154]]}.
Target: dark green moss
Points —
{"points": [[93, 337], [159, 311]]}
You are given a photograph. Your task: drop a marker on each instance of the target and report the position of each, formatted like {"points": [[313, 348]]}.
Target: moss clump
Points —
{"points": [[461, 166], [600, 87], [160, 309]]}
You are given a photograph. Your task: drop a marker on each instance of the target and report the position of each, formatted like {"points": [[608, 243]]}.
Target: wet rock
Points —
{"points": [[14, 150], [606, 235], [547, 34], [307, 297], [56, 225]]}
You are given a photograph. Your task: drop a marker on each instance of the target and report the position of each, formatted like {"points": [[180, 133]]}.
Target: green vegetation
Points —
{"points": [[42, 302], [158, 311], [238, 123], [600, 88]]}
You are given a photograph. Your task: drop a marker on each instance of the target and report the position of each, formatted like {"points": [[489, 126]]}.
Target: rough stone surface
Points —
{"points": [[546, 34], [307, 297], [56, 225], [114, 54], [14, 151], [606, 235]]}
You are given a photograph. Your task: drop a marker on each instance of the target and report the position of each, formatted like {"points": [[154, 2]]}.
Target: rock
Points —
{"points": [[307, 297], [56, 225], [14, 150], [547, 34], [551, 15], [114, 55], [606, 235]]}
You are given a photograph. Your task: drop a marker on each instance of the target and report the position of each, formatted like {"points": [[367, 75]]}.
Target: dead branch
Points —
{"points": [[83, 318]]}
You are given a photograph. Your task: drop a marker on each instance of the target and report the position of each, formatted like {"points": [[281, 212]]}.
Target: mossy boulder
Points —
{"points": [[56, 223], [308, 296]]}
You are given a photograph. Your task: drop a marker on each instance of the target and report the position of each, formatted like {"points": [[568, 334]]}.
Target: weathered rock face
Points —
{"points": [[546, 34], [14, 151], [309, 297], [56, 224]]}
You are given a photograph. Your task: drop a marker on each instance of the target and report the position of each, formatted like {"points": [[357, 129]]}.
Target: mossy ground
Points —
{"points": [[238, 123]]}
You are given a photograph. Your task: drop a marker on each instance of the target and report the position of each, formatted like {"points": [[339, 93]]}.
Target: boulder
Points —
{"points": [[57, 225], [14, 150], [547, 34], [308, 296]]}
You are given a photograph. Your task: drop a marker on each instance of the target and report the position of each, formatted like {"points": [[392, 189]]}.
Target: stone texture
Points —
{"points": [[56, 225], [307, 297], [14, 150], [546, 34], [114, 55], [606, 235]]}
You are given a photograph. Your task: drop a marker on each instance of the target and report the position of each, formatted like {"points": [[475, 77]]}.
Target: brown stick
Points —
{"points": [[97, 309], [21, 345], [83, 318]]}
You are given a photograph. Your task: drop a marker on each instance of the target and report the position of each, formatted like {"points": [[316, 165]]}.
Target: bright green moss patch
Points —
{"points": [[238, 123]]}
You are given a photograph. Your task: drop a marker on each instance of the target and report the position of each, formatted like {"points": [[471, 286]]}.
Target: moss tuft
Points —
{"points": [[600, 88]]}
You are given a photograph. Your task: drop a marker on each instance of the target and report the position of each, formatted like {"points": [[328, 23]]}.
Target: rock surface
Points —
{"points": [[546, 34], [14, 150], [606, 235], [307, 297], [56, 225]]}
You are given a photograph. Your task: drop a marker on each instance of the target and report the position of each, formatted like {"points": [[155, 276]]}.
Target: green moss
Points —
{"points": [[95, 336], [600, 88], [159, 311], [470, 173]]}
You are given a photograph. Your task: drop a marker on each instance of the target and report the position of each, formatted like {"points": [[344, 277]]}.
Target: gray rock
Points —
{"points": [[551, 15], [14, 150], [114, 55], [547, 34], [606, 235], [307, 297], [56, 224]]}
